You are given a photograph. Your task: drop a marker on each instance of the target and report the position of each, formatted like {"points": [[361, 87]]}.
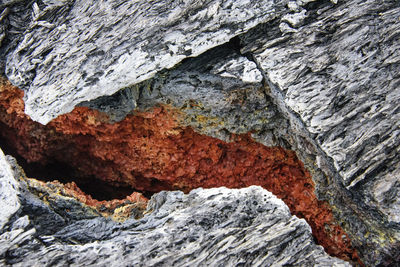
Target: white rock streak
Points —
{"points": [[9, 202]]}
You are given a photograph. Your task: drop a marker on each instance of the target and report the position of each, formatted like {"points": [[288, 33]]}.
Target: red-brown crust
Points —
{"points": [[151, 152]]}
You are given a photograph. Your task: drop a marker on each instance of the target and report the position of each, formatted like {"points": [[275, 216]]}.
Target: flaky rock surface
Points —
{"points": [[339, 75], [318, 77], [217, 226], [336, 78], [95, 48]]}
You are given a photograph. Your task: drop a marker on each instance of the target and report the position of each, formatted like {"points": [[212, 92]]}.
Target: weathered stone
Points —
{"points": [[217, 226], [218, 93], [337, 92], [330, 87], [95, 48], [337, 79], [8, 192]]}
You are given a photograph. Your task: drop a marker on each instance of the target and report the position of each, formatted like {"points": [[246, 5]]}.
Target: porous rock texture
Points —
{"points": [[318, 77], [150, 151], [219, 226]]}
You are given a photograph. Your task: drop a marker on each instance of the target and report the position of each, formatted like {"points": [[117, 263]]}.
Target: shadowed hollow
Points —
{"points": [[150, 151]]}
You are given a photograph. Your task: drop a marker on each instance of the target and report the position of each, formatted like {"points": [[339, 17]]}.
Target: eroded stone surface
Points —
{"points": [[8, 192], [95, 48], [336, 77], [217, 226], [332, 72], [218, 93], [342, 79]]}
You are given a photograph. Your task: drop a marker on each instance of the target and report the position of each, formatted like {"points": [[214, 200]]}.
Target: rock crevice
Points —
{"points": [[210, 226], [167, 95], [151, 151]]}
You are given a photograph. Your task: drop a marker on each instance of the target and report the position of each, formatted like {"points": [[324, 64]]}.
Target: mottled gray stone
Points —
{"points": [[330, 87], [219, 227], [9, 202], [95, 48], [342, 80], [337, 79], [14, 19], [116, 106], [343, 84]]}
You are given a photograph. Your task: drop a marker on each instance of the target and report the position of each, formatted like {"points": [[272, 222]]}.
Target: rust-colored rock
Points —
{"points": [[151, 152]]}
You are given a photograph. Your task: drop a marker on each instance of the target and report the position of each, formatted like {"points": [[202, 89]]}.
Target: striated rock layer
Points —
{"points": [[125, 43], [347, 99], [317, 77], [218, 226], [335, 74], [151, 152]]}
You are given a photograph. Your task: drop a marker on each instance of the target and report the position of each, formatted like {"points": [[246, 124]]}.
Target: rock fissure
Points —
{"points": [[167, 95], [151, 151]]}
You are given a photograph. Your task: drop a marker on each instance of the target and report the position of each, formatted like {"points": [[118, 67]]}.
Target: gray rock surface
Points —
{"points": [[329, 88], [341, 79], [9, 189], [336, 78], [219, 227], [95, 48]]}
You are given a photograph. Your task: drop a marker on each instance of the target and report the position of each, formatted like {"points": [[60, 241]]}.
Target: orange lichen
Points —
{"points": [[151, 152]]}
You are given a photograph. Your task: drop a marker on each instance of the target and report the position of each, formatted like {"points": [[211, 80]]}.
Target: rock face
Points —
{"points": [[336, 77], [347, 99], [9, 189], [318, 77], [217, 226], [112, 45]]}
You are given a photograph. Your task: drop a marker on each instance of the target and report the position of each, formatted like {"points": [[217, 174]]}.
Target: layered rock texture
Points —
{"points": [[171, 95]]}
